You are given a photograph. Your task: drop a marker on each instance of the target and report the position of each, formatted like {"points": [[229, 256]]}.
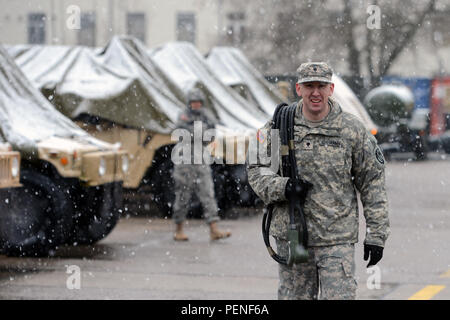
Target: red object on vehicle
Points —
{"points": [[440, 105]]}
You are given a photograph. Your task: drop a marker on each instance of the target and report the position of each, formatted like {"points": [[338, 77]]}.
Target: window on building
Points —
{"points": [[86, 34], [186, 27], [136, 25], [36, 28], [236, 27]]}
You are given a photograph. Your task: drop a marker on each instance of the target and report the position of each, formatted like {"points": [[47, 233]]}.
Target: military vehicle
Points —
{"points": [[184, 68], [130, 94], [115, 95], [71, 189], [120, 94], [401, 127]]}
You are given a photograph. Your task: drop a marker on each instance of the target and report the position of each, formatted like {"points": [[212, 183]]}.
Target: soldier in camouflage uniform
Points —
{"points": [[338, 156], [193, 178]]}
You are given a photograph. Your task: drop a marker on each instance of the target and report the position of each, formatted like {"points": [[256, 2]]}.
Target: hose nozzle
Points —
{"points": [[297, 252]]}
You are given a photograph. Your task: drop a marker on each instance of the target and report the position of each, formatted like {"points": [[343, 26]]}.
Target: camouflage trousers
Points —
{"points": [[329, 274], [190, 179]]}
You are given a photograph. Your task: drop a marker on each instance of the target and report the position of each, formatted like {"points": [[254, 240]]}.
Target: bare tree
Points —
{"points": [[337, 32], [383, 46]]}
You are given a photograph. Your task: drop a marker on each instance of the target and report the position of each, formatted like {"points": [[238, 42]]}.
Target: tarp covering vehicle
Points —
{"points": [[232, 67], [115, 94], [185, 68], [72, 181], [111, 83], [128, 60]]}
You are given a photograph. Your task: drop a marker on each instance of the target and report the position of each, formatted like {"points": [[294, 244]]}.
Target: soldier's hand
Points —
{"points": [[375, 252], [297, 189]]}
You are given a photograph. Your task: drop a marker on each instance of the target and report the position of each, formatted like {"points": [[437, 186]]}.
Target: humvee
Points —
{"points": [[71, 189], [119, 94]]}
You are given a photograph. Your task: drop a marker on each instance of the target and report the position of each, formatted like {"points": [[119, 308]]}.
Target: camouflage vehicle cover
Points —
{"points": [[129, 99], [71, 181], [184, 68], [392, 108], [113, 83], [115, 94]]}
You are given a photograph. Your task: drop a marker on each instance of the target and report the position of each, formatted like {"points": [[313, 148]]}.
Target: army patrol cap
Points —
{"points": [[314, 71]]}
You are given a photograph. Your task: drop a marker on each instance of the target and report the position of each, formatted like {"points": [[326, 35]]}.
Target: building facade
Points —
{"points": [[94, 22], [249, 25]]}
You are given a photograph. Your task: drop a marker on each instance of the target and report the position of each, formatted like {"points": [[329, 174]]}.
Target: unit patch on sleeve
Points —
{"points": [[379, 155]]}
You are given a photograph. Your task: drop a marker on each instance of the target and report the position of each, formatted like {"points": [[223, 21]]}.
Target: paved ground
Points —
{"points": [[139, 259]]}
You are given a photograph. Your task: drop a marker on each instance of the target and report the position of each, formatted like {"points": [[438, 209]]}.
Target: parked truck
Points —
{"points": [[71, 189], [117, 97], [121, 95], [182, 68]]}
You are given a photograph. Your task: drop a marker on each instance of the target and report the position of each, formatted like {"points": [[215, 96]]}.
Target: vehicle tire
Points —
{"points": [[237, 193], [162, 185], [36, 218], [97, 214]]}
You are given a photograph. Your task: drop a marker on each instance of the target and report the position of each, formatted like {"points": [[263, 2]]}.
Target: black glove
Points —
{"points": [[297, 190], [376, 253]]}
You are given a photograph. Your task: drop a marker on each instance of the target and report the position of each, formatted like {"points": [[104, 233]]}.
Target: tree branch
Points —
{"points": [[384, 67]]}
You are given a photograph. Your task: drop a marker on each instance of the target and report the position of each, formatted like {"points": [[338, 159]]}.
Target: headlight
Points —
{"points": [[14, 167], [125, 163], [102, 167]]}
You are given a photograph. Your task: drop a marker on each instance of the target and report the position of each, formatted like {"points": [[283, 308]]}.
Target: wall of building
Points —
{"points": [[244, 24], [110, 19]]}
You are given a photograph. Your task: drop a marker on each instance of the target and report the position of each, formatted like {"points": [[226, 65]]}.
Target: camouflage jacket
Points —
{"points": [[338, 157]]}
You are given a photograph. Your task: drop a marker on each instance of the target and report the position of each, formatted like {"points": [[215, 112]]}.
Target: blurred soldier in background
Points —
{"points": [[337, 155], [193, 178]]}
